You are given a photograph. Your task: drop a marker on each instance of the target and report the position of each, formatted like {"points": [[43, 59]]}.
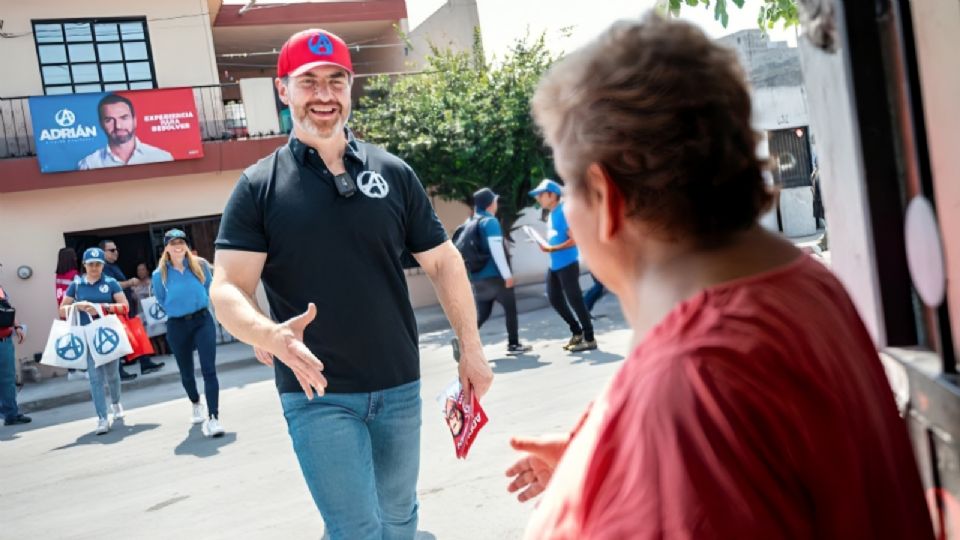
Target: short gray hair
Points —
{"points": [[666, 112]]}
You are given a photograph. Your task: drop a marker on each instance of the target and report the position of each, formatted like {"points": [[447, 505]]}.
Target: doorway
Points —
{"points": [[143, 243]]}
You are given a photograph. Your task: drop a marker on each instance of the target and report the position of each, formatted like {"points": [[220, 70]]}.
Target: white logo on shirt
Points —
{"points": [[373, 185], [104, 288]]}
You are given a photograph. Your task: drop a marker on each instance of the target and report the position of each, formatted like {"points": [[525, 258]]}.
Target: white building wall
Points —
{"points": [[452, 25], [780, 107], [259, 105], [181, 39]]}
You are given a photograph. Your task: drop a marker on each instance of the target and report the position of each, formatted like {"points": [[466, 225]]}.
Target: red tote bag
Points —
{"points": [[137, 335]]}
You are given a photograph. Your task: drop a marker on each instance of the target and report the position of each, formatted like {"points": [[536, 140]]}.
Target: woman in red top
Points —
{"points": [[753, 404], [67, 270]]}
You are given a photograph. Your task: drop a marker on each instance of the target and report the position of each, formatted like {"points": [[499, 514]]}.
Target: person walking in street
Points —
{"points": [[112, 269], [563, 277], [493, 282], [754, 403], [67, 271], [325, 221], [92, 289], [594, 293], [9, 330], [181, 284]]}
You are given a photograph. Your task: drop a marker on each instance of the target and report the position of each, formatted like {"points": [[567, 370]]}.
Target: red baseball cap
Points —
{"points": [[308, 49]]}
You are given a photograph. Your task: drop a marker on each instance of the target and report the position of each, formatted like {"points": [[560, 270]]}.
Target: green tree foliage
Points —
{"points": [[772, 12], [464, 123]]}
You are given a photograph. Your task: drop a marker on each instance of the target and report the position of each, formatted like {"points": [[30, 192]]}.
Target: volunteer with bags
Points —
{"points": [[181, 285], [93, 295]]}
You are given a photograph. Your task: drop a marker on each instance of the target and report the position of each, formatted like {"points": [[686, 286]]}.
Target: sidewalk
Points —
{"points": [[58, 391]]}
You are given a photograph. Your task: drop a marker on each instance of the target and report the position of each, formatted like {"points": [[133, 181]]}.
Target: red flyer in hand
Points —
{"points": [[464, 419]]}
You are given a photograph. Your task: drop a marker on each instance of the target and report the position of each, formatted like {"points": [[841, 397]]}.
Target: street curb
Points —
{"points": [[170, 374]]}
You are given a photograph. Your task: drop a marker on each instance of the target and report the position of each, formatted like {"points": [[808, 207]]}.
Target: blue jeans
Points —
{"points": [[594, 293], [108, 373], [360, 456], [8, 380], [185, 335]]}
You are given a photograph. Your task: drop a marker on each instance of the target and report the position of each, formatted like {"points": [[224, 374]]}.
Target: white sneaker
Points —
{"points": [[103, 426], [199, 415], [212, 428], [77, 375], [117, 410]]}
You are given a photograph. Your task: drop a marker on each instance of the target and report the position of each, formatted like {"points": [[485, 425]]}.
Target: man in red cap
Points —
{"points": [[323, 222]]}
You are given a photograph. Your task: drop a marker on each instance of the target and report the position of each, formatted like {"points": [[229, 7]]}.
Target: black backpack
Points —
{"points": [[469, 240]]}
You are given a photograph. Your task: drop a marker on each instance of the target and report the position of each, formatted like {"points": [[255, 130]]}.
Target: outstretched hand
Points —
{"points": [[532, 472], [286, 344]]}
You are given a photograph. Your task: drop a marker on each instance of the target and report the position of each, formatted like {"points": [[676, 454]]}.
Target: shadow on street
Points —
{"points": [[595, 357], [511, 364], [197, 445], [118, 432]]}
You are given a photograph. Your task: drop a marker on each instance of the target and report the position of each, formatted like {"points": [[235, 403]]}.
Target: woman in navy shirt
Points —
{"points": [[181, 284], [86, 291]]}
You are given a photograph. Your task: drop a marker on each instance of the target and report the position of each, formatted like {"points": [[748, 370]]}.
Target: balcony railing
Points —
{"points": [[16, 130]]}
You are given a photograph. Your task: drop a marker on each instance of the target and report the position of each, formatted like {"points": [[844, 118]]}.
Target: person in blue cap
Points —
{"points": [[563, 278], [96, 288], [494, 281], [181, 284]]}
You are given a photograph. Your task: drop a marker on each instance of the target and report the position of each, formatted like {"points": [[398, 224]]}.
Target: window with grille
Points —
{"points": [[94, 55]]}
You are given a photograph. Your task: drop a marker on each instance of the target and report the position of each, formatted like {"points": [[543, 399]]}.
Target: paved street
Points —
{"points": [[156, 476]]}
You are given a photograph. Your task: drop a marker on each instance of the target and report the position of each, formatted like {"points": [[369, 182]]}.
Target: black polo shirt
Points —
{"points": [[343, 254]]}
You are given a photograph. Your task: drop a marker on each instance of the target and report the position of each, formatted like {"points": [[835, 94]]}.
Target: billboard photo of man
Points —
{"points": [[119, 122]]}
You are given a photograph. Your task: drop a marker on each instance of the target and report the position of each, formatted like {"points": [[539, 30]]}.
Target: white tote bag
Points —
{"points": [[107, 338], [66, 344], [152, 311]]}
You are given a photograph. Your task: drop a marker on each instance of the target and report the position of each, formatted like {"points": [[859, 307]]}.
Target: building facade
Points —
{"points": [[225, 54]]}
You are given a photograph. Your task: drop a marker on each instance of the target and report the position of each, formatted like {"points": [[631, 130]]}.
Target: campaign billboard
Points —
{"points": [[112, 129]]}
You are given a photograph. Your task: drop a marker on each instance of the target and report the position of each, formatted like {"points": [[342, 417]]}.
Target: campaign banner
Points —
{"points": [[113, 129]]}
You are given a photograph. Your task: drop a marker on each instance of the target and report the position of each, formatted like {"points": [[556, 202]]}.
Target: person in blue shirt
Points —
{"points": [[111, 268], [96, 288], [181, 284], [494, 282], [563, 278]]}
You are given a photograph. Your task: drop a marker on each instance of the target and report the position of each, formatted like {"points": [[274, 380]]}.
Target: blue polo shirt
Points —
{"points": [[558, 232], [98, 292], [489, 228], [183, 293], [113, 270]]}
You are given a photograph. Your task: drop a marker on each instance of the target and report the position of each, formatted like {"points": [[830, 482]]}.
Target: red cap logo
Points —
{"points": [[311, 48]]}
